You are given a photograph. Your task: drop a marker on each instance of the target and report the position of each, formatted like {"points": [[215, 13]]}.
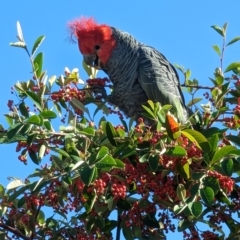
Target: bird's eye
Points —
{"points": [[97, 47]]}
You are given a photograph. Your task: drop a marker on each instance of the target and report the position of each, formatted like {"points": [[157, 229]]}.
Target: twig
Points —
{"points": [[14, 231], [196, 86]]}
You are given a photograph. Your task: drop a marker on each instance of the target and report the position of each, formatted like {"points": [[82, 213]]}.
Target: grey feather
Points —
{"points": [[140, 73]]}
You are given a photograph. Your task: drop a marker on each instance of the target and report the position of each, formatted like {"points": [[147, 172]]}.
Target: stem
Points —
{"points": [[197, 87], [14, 231], [118, 233]]}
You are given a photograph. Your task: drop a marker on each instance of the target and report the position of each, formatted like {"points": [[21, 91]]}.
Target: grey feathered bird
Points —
{"points": [[138, 72]]}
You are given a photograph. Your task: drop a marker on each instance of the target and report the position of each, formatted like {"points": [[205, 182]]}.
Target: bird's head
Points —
{"points": [[95, 41]]}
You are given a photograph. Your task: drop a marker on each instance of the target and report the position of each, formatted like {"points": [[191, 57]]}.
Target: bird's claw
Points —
{"points": [[99, 92]]}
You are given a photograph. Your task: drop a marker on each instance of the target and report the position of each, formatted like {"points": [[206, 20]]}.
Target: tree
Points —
{"points": [[147, 176]]}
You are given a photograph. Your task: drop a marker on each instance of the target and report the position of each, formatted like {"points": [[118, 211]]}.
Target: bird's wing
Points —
{"points": [[159, 79]]}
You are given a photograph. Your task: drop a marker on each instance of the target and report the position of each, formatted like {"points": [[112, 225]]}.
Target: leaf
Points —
{"points": [[194, 101], [176, 151], [217, 49], [37, 44], [153, 162], [19, 32], [38, 63], [79, 163], [111, 133], [14, 130], [221, 153], [233, 41], [79, 105], [234, 139], [196, 209], [144, 158], [207, 195], [102, 153], [23, 109], [186, 170], [34, 157], [18, 44], [60, 151], [107, 161], [48, 114], [218, 29], [181, 192], [35, 119], [34, 97], [149, 111], [201, 140], [15, 184], [47, 125], [88, 175], [227, 166], [213, 142], [232, 66], [42, 150]]}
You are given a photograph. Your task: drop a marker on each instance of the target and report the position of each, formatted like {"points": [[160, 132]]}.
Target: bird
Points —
{"points": [[137, 71]]}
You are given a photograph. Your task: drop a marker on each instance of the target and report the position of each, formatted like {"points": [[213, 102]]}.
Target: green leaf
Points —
{"points": [[213, 142], [127, 233], [200, 139], [176, 151], [35, 119], [144, 158], [23, 109], [60, 151], [234, 139], [2, 191], [31, 138], [103, 152], [58, 108], [111, 133], [34, 157], [217, 49], [181, 192], [17, 193], [88, 175], [34, 97], [88, 131], [194, 101], [47, 125], [153, 162], [38, 63], [119, 164], [48, 114], [183, 225], [218, 29], [221, 153], [227, 166], [79, 105], [37, 44], [232, 66], [213, 183], [107, 161], [14, 130], [196, 209], [233, 41], [207, 195], [149, 111], [41, 217]]}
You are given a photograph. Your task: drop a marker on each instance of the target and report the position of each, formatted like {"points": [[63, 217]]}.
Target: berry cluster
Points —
{"points": [[98, 82], [28, 148], [67, 93], [225, 182]]}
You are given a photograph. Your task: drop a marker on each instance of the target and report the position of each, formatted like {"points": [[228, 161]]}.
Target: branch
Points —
{"points": [[14, 231], [196, 86], [118, 233]]}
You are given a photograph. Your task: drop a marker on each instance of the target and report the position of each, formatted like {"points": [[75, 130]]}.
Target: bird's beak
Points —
{"points": [[92, 60]]}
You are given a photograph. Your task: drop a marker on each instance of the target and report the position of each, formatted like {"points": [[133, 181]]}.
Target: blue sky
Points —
{"points": [[179, 29]]}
